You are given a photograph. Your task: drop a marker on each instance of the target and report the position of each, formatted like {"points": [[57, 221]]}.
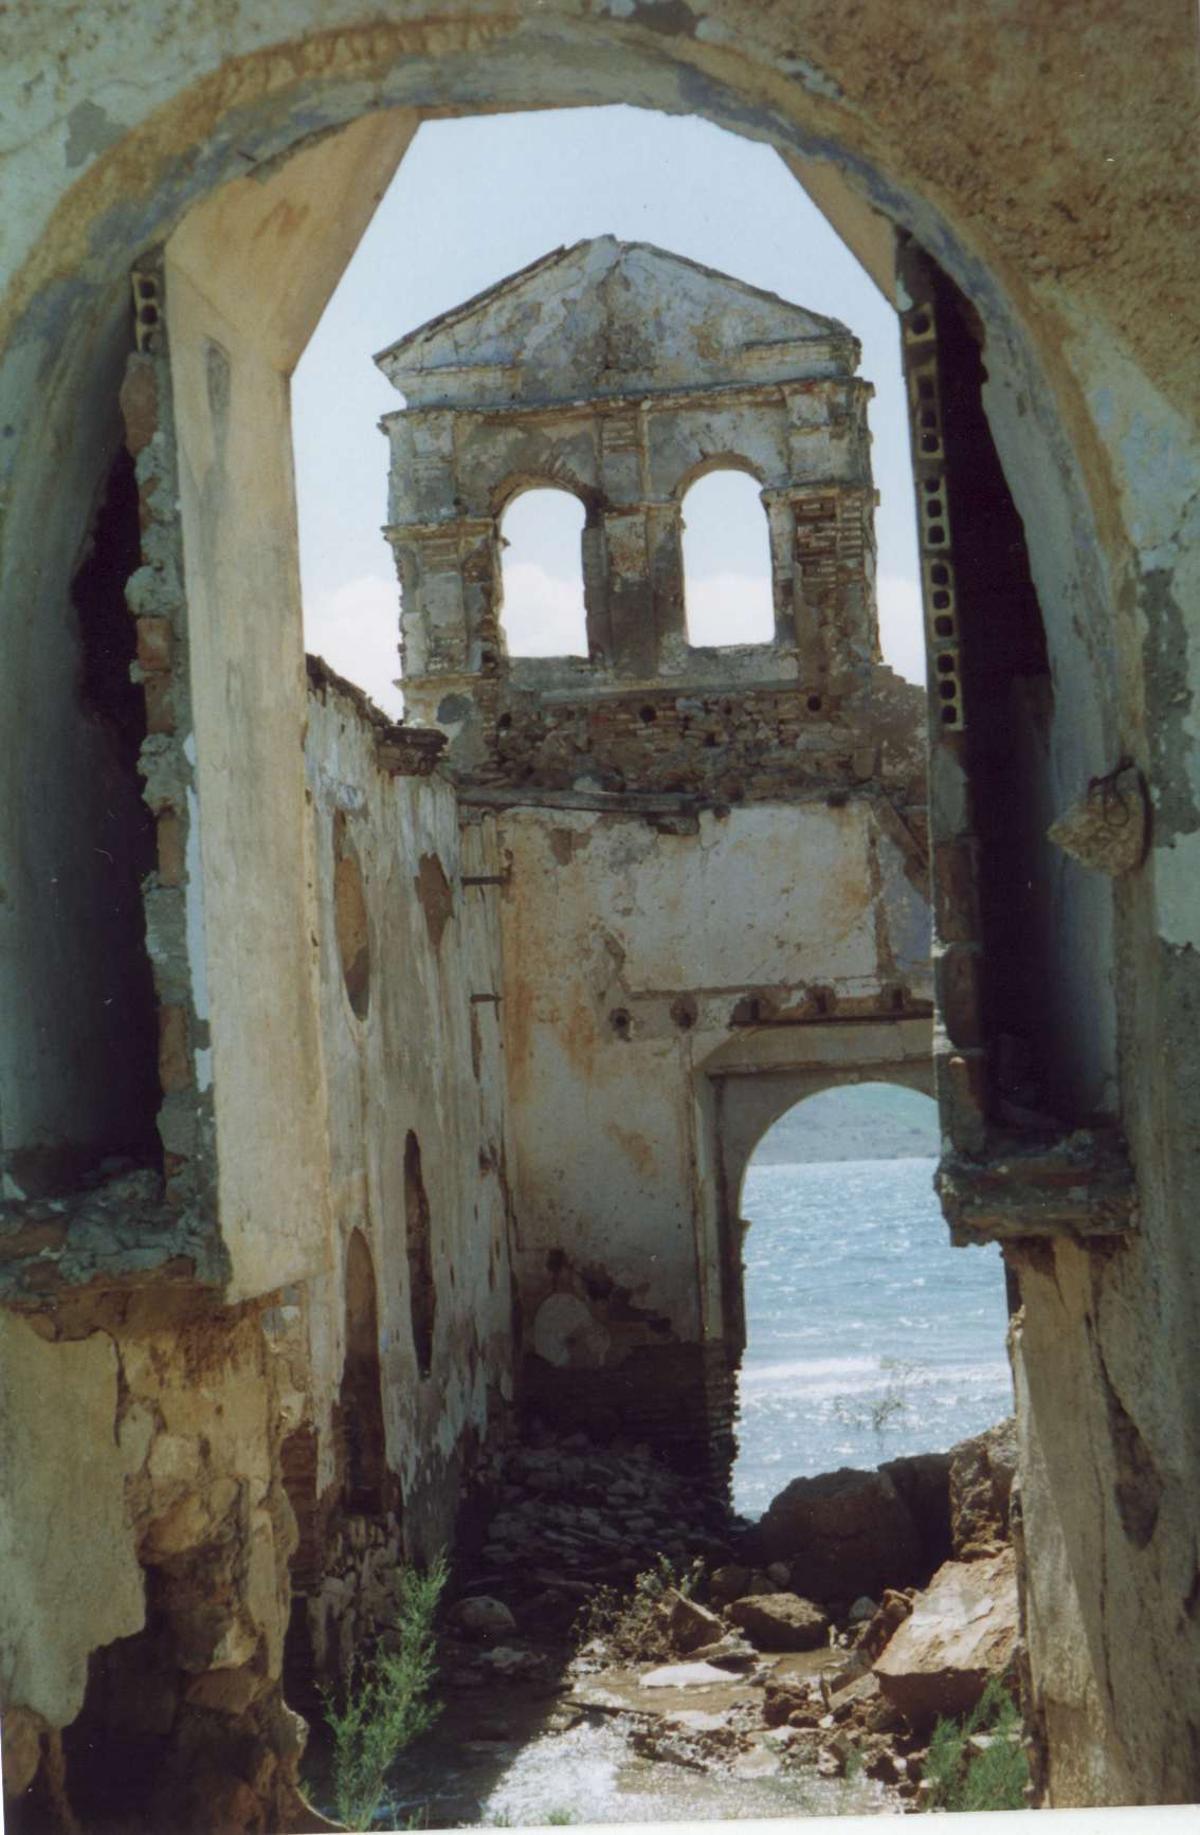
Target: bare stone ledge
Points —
{"points": [[118, 1234], [1081, 1185]]}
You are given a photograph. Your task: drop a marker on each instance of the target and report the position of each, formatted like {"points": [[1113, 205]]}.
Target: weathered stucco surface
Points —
{"points": [[73, 1578], [425, 1058], [631, 956], [1042, 156]]}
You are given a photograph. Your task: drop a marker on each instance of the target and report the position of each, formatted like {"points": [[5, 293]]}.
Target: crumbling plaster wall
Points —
{"points": [[1039, 154], [147, 1535], [632, 950], [425, 1056]]}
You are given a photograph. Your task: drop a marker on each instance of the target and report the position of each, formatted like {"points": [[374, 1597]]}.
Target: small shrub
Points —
{"points": [[630, 1622], [994, 1779], [943, 1762], [386, 1702], [560, 1818]]}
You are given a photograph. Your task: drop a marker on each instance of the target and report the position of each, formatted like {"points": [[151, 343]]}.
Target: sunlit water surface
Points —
{"points": [[868, 1336]]}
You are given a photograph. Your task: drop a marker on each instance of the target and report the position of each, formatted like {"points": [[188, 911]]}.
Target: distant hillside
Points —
{"points": [[860, 1121]]}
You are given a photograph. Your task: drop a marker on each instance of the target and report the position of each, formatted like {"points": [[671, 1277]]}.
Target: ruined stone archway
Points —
{"points": [[68, 313], [868, 1336], [758, 1076], [468, 64]]}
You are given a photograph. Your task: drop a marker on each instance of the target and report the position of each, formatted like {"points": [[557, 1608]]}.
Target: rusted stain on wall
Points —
{"points": [[437, 898]]}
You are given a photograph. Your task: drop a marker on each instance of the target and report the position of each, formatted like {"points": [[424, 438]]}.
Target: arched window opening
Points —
{"points": [[422, 1294], [542, 608], [361, 1397], [868, 1337], [350, 919], [727, 562]]}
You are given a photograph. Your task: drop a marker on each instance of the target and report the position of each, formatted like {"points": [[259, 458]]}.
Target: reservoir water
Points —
{"points": [[868, 1335]]}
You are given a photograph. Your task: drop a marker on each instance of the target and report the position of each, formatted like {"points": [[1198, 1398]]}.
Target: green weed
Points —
{"points": [[386, 1703], [994, 1779], [630, 1622]]}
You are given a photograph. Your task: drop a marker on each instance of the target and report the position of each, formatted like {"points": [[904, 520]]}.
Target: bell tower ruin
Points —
{"points": [[654, 799]]}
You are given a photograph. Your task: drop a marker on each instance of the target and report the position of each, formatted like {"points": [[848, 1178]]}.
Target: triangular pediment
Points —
{"points": [[606, 317]]}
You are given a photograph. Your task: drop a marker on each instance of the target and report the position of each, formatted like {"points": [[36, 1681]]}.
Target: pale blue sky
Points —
{"points": [[474, 200]]}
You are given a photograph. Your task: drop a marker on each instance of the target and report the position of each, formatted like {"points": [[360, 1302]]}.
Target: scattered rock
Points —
{"points": [[780, 1573], [862, 1611], [728, 1583], [883, 1766], [857, 1664], [960, 1632], [893, 1610], [689, 1623], [981, 1478], [729, 1652], [782, 1699], [834, 1757], [483, 1618], [781, 1621], [923, 1481], [854, 1698], [846, 1533]]}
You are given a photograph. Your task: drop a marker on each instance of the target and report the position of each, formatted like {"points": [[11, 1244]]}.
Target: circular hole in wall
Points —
{"points": [[350, 919]]}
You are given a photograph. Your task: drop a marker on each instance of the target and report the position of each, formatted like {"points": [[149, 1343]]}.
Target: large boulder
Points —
{"points": [[780, 1621], [845, 1533], [981, 1478], [960, 1632], [923, 1481], [689, 1624], [728, 1582]]}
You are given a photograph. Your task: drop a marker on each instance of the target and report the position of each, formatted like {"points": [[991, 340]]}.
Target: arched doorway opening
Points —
{"points": [[868, 1337]]}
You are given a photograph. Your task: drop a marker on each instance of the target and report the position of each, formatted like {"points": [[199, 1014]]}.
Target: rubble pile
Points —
{"points": [[571, 1510], [712, 1661]]}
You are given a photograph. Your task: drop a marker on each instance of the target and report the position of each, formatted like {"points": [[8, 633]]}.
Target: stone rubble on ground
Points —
{"points": [[781, 1621], [563, 1528]]}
